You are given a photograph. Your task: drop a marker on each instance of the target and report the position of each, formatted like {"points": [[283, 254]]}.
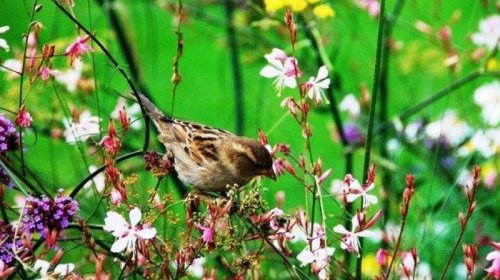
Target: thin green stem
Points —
{"points": [[371, 118], [21, 82]]}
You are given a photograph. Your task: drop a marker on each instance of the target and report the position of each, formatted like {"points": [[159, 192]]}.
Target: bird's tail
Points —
{"points": [[151, 110]]}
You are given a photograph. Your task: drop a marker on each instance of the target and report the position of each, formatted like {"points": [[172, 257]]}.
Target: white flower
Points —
{"points": [[350, 239], [3, 43], [98, 180], [489, 32], [449, 128], [284, 69], [132, 110], [412, 131], [196, 268], [316, 85], [485, 142], [488, 97], [82, 130], [356, 190], [350, 105], [70, 77], [126, 233], [317, 253], [60, 269], [12, 65]]}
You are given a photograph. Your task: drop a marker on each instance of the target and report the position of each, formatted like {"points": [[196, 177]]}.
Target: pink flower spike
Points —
{"points": [[23, 118], [78, 48]]}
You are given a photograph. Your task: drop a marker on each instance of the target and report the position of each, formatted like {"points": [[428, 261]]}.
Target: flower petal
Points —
{"points": [[64, 269], [341, 229], [115, 224], [135, 216], [120, 244], [269, 72], [146, 233], [305, 257], [42, 265], [322, 74]]}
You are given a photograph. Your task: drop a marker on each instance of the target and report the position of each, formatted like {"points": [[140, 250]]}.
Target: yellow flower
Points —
{"points": [[274, 5], [312, 1], [493, 65], [297, 5], [323, 11], [370, 267]]}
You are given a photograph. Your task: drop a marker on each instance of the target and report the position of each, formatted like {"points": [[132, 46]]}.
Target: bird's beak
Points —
{"points": [[270, 174]]}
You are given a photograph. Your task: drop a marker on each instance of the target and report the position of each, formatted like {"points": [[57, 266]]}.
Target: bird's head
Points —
{"points": [[251, 158]]}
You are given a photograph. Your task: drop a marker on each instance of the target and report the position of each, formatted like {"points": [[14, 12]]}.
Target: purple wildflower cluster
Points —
{"points": [[9, 237], [9, 139], [45, 215]]}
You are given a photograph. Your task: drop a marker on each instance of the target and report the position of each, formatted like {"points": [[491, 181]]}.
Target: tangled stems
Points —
{"points": [[471, 193], [407, 195], [117, 66]]}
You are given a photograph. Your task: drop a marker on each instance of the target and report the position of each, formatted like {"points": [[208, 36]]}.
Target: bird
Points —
{"points": [[208, 158]]}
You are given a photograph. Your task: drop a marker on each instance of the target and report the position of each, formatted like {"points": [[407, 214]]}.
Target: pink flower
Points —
{"points": [[408, 263], [46, 72], [371, 6], [285, 69], [383, 257], [494, 256], [356, 190], [127, 234], [116, 197], [316, 85], [78, 48], [350, 239], [207, 235], [111, 142], [23, 118]]}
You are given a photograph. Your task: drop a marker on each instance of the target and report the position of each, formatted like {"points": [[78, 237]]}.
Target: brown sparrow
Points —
{"points": [[209, 159]]}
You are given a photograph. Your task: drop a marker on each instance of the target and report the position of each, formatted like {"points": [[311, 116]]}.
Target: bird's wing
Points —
{"points": [[200, 142]]}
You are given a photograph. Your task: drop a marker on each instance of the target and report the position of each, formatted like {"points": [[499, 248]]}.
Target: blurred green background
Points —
{"points": [[206, 95]]}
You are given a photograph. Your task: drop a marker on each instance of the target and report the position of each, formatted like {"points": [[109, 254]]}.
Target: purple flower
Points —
{"points": [[5, 178], [10, 242], [9, 139], [353, 134], [44, 215]]}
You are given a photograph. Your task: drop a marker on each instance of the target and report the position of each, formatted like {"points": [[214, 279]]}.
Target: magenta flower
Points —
{"points": [[23, 118], [207, 235], [78, 48]]}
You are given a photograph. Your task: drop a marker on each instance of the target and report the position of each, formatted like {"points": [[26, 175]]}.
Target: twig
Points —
{"points": [[464, 220], [91, 176]]}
